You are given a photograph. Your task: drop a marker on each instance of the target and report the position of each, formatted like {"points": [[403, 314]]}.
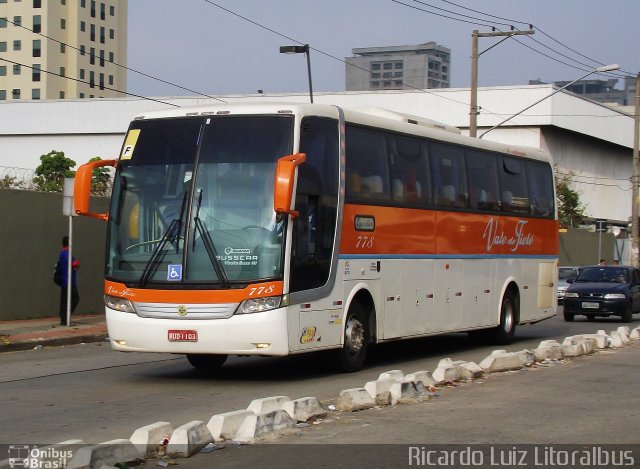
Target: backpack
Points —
{"points": [[57, 273]]}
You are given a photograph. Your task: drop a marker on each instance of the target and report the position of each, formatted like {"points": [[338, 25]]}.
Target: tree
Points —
{"points": [[54, 167], [11, 182], [100, 180], [570, 209]]}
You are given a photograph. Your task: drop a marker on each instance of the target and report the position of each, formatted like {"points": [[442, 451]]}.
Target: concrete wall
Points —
{"points": [[31, 230], [580, 247]]}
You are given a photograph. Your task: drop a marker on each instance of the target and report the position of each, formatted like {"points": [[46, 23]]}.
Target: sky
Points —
{"points": [[198, 45]]}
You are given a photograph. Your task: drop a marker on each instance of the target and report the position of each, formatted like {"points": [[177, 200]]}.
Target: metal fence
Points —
{"points": [[17, 178], [22, 179]]}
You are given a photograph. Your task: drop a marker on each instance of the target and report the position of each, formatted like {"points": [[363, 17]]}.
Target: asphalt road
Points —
{"points": [[92, 393]]}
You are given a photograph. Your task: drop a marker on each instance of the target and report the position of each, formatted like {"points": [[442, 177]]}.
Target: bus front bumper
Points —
{"points": [[262, 333]]}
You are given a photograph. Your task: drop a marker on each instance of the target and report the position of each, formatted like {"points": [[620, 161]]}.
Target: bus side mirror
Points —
{"points": [[284, 181], [82, 188]]}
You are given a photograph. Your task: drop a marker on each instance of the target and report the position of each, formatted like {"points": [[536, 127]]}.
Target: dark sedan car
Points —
{"points": [[604, 291]]}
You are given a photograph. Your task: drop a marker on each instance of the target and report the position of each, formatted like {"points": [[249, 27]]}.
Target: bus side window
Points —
{"points": [[449, 178], [366, 165], [482, 170], [540, 188], [513, 182], [409, 168]]}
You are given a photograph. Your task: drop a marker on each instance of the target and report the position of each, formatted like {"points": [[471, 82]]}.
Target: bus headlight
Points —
{"points": [[118, 304], [258, 305]]}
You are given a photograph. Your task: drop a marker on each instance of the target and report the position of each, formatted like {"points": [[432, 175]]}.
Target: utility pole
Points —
{"points": [[634, 177], [474, 110]]}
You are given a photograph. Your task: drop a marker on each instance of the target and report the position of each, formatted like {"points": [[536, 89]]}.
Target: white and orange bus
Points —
{"points": [[277, 229]]}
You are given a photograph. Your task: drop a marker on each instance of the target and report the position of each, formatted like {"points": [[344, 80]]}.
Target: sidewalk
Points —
{"points": [[26, 334]]}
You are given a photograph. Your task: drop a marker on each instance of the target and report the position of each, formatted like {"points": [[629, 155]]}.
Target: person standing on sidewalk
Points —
{"points": [[63, 259]]}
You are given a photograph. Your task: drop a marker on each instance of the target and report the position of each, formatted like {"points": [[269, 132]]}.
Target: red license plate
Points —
{"points": [[178, 335]]}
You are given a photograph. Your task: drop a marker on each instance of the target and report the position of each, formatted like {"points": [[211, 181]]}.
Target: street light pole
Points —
{"points": [[300, 50], [634, 177], [606, 68], [474, 110]]}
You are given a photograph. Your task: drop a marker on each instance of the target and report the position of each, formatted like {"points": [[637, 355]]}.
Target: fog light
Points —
{"points": [[262, 346], [121, 342]]}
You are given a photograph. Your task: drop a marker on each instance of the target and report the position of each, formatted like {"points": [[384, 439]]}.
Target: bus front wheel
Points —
{"points": [[206, 362], [356, 337]]}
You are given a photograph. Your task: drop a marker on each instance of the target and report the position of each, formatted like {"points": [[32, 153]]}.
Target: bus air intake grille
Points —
{"points": [[185, 311]]}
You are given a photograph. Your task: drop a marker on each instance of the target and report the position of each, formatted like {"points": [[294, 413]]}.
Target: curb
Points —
{"points": [[267, 418], [52, 342]]}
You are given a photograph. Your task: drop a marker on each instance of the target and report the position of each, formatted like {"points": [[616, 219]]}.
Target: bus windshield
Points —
{"points": [[193, 201]]}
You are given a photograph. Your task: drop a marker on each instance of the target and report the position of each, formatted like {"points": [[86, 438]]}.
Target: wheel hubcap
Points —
{"points": [[508, 318], [354, 336]]}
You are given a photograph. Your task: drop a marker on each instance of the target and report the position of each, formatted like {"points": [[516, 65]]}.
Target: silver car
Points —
{"points": [[564, 274]]}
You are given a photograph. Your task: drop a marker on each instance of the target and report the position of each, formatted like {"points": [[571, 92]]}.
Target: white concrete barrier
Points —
{"points": [[526, 357], [635, 334], [107, 453], [354, 399], [501, 360], [579, 347], [188, 439], [393, 375], [225, 426], [616, 340], [267, 404], [304, 409], [147, 439], [261, 427], [405, 391], [470, 370], [624, 333], [424, 377], [602, 340], [379, 389]]}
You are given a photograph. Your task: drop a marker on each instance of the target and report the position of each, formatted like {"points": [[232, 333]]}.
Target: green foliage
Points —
{"points": [[11, 182], [570, 209], [100, 180], [54, 167]]}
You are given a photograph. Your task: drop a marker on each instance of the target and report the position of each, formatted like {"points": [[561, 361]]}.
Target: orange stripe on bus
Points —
{"points": [[404, 231], [156, 295]]}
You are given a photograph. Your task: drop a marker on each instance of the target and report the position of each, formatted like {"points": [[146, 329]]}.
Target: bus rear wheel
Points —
{"points": [[353, 353], [206, 362], [505, 332]]}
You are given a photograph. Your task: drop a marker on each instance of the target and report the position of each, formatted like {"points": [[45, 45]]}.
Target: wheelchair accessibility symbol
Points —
{"points": [[174, 272]]}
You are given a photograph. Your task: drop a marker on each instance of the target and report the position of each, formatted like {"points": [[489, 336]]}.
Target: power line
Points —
{"points": [[537, 28], [503, 24], [101, 86], [82, 52]]}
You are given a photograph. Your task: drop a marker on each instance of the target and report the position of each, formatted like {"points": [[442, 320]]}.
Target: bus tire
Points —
{"points": [[504, 333], [353, 353], [206, 362]]}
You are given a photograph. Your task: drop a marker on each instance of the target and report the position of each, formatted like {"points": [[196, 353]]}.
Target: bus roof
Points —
{"points": [[373, 117]]}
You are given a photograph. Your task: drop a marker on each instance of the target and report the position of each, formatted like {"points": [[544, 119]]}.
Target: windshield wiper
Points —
{"points": [[209, 246], [173, 231]]}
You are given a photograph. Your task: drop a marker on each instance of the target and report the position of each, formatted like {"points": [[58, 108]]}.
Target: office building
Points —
{"points": [[62, 49], [399, 67]]}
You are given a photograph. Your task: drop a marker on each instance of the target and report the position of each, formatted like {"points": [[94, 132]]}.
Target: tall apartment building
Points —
{"points": [[62, 49], [399, 67]]}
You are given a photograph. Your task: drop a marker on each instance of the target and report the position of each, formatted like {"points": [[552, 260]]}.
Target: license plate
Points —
{"points": [[590, 305], [177, 335]]}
